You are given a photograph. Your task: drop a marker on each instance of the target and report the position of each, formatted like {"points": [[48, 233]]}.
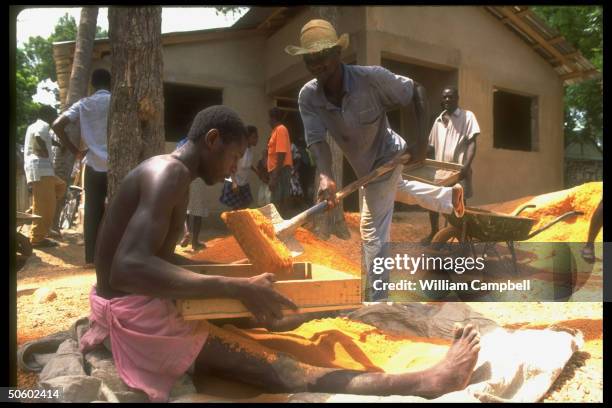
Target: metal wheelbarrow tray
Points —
{"points": [[479, 225]]}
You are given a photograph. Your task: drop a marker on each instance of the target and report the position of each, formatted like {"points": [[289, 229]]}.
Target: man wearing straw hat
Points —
{"points": [[350, 102]]}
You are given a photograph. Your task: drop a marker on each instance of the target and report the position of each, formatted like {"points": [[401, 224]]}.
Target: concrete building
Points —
{"points": [[509, 67]]}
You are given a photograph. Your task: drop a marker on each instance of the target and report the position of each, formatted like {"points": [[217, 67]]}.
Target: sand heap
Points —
{"points": [[340, 343], [226, 250], [549, 206], [353, 345]]}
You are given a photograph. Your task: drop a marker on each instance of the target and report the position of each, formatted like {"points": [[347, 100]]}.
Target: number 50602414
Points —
{"points": [[12, 394]]}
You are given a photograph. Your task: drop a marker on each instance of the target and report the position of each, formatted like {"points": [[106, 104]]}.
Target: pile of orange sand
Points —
{"points": [[341, 343], [319, 252], [549, 206], [227, 250]]}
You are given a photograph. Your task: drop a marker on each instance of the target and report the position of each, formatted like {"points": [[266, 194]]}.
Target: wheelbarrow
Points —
{"points": [[489, 228], [22, 243]]}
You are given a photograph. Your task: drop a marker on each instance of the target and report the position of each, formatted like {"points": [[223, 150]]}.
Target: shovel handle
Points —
{"points": [[374, 174], [288, 226]]}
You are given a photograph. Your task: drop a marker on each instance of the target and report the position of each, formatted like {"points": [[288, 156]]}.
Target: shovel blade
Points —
{"points": [[271, 213]]}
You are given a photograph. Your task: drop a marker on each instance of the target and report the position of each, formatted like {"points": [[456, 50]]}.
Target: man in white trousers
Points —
{"points": [[350, 102]]}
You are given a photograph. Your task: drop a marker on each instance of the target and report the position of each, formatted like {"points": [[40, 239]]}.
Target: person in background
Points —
{"points": [[47, 188], [588, 252], [296, 190], [236, 189], [196, 210], [350, 103], [92, 114], [186, 234], [280, 162], [261, 169], [453, 140]]}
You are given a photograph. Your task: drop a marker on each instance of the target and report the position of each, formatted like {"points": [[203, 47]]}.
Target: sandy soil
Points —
{"points": [[61, 269]]}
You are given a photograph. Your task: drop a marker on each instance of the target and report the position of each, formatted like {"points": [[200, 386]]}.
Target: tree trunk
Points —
{"points": [[136, 117], [63, 161]]}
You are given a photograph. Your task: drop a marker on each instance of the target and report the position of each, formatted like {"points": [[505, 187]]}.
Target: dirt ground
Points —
{"points": [[62, 270]]}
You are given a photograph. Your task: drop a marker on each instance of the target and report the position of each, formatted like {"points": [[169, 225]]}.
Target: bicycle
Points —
{"points": [[71, 207]]}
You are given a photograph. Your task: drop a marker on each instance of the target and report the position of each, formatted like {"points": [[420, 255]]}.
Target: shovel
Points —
{"points": [[284, 229]]}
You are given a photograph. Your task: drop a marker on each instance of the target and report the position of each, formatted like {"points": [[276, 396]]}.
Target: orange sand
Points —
{"points": [[549, 206], [342, 343], [255, 235], [347, 344], [227, 250], [318, 252]]}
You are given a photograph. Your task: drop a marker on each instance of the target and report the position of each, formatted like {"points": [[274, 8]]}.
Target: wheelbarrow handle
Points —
{"points": [[524, 208], [553, 222]]}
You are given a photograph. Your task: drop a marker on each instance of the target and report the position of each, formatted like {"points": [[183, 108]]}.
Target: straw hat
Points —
{"points": [[316, 36]]}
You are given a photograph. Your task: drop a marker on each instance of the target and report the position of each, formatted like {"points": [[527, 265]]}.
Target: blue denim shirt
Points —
{"points": [[360, 127]]}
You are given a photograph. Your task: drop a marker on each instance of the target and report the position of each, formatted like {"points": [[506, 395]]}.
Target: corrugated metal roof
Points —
{"points": [[566, 60]]}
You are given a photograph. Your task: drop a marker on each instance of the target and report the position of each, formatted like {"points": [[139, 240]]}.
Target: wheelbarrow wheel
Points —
{"points": [[446, 235], [440, 247], [447, 243], [24, 247]]}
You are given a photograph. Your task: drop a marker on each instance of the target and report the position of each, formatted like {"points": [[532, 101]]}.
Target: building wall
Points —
{"points": [[283, 70], [487, 55], [233, 65]]}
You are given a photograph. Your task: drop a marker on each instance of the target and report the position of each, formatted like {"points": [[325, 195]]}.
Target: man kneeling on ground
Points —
{"points": [[138, 277]]}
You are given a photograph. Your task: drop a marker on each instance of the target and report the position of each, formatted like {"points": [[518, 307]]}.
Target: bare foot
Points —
{"points": [[185, 241], [458, 205], [454, 372]]}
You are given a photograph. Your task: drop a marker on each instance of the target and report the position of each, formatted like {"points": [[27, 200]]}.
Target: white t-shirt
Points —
{"points": [[243, 168], [36, 166]]}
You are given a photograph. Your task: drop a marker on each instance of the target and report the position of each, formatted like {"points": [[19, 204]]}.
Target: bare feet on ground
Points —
{"points": [[454, 372]]}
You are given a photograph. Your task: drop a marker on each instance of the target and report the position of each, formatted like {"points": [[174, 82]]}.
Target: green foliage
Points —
{"points": [[225, 10], [35, 64], [26, 82], [582, 26]]}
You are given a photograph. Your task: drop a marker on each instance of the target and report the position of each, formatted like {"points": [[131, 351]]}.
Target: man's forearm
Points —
{"points": [[321, 154], [156, 277], [59, 129], [469, 154]]}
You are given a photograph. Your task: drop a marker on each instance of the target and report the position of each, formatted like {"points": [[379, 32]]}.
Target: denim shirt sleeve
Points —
{"points": [[314, 129], [73, 111], [393, 90]]}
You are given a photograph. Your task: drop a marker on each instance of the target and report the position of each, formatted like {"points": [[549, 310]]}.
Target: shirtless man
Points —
{"points": [[138, 277]]}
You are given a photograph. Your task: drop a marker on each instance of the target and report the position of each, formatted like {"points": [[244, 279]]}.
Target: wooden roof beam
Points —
{"points": [[579, 74], [556, 40], [512, 17], [267, 23]]}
